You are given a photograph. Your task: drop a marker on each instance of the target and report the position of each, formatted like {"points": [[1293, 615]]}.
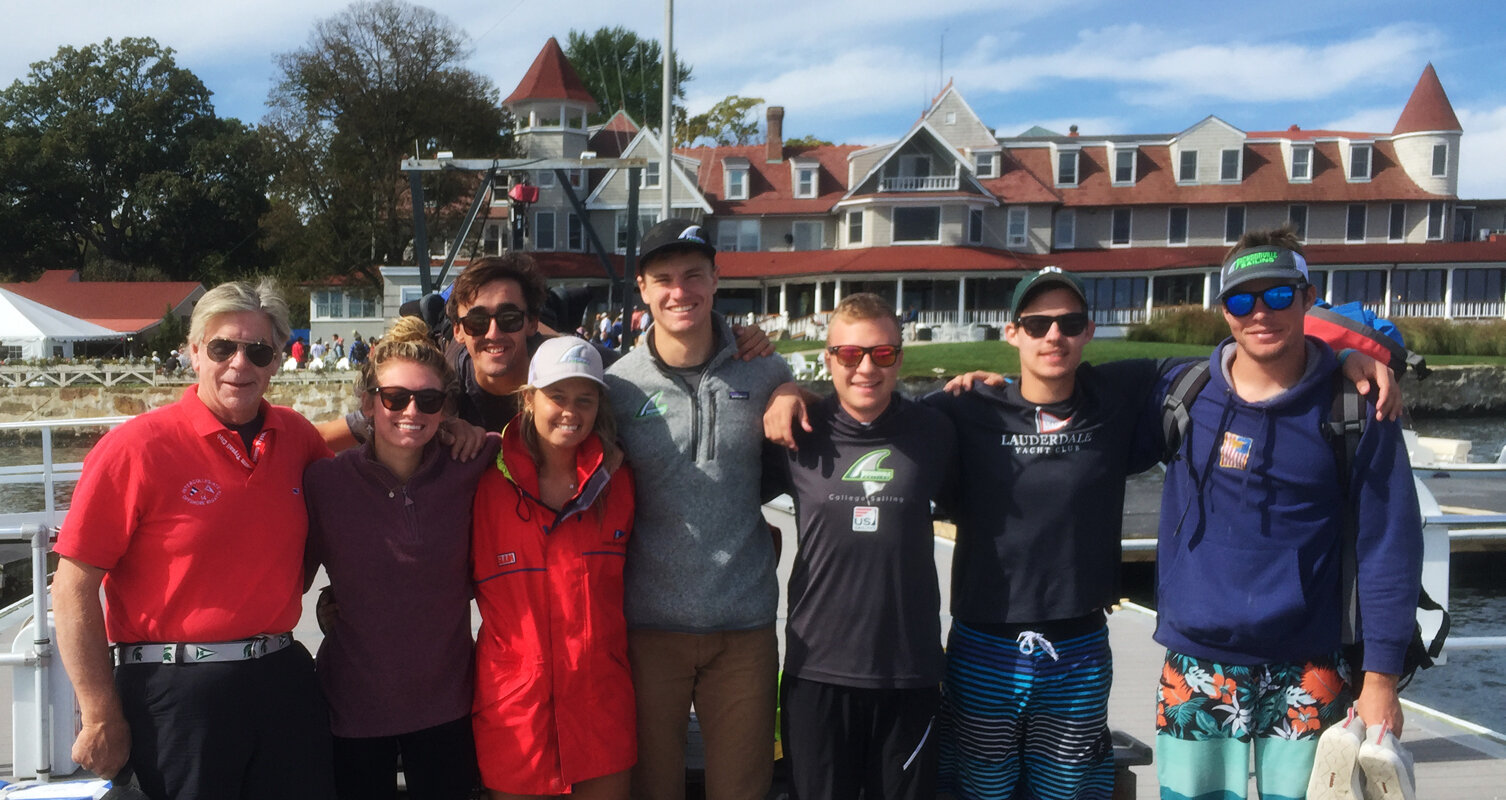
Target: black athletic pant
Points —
{"points": [[225, 730], [439, 763], [841, 741]]}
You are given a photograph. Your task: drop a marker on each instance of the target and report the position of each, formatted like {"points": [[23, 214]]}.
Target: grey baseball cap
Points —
{"points": [[1260, 263], [565, 357]]}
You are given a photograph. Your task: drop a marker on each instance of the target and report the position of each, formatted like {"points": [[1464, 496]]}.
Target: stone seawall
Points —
{"points": [[1448, 392]]}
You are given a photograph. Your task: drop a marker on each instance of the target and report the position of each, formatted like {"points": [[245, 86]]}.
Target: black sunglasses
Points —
{"points": [[850, 355], [395, 398], [258, 353], [1276, 298], [478, 321], [1038, 325]]}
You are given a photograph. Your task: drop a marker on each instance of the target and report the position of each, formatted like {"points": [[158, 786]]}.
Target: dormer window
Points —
{"points": [[1359, 162], [735, 178], [1066, 168], [805, 177], [1228, 165], [1302, 162], [986, 165], [1187, 167], [1124, 167]]}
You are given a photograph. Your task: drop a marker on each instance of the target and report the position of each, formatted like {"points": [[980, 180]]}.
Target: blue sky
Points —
{"points": [[861, 71]]}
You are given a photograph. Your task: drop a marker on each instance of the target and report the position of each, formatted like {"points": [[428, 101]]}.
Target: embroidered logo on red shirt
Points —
{"points": [[201, 491]]}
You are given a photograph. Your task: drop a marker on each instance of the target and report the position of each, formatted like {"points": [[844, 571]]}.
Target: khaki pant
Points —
{"points": [[731, 679]]}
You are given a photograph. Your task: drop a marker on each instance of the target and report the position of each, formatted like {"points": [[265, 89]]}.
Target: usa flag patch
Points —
{"points": [[1235, 453]]}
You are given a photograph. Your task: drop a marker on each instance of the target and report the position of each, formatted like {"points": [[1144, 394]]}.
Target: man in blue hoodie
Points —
{"points": [[1250, 551]]}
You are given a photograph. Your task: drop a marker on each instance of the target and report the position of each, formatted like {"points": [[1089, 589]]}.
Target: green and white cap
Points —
{"points": [[1262, 263]]}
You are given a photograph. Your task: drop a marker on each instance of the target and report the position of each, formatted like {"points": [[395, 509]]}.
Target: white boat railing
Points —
{"points": [[39, 657]]}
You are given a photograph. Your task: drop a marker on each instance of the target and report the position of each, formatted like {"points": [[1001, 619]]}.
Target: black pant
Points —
{"points": [[439, 763], [238, 729], [840, 741]]}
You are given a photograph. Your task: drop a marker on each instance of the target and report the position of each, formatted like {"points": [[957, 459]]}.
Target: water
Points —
{"points": [[1470, 686]]}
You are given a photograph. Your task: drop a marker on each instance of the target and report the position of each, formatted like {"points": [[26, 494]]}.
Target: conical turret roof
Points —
{"points": [[1428, 109], [552, 78]]}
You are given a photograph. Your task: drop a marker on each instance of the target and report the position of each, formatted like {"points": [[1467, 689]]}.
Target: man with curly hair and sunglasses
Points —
{"points": [[1252, 547]]}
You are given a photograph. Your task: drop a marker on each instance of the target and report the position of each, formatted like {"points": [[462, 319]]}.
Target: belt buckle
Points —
{"points": [[255, 647]]}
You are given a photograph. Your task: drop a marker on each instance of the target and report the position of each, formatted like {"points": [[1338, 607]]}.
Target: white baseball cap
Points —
{"points": [[565, 357]]}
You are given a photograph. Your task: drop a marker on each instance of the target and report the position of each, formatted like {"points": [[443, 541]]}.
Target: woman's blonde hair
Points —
{"points": [[408, 340], [605, 426]]}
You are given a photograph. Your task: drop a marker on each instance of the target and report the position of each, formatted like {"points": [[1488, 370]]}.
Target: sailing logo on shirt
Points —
{"points": [[869, 471], [201, 491], [865, 519], [1235, 453], [503, 559], [653, 406], [1047, 422]]}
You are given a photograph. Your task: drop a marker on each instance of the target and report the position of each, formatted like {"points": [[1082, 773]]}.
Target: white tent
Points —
{"points": [[37, 329]]}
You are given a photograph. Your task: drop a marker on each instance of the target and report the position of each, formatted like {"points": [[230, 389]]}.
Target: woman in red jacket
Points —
{"points": [[553, 710]]}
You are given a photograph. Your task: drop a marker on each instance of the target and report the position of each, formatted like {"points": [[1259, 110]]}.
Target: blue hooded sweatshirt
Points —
{"points": [[1252, 524]]}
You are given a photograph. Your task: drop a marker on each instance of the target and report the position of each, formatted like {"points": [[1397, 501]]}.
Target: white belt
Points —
{"points": [[202, 652]]}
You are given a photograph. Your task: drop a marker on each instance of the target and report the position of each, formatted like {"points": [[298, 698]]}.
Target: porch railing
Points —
{"points": [[930, 183]]}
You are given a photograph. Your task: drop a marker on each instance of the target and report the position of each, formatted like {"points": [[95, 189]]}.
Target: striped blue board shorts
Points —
{"points": [[1026, 717]]}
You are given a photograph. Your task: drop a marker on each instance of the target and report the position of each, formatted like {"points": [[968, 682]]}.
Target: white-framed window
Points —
{"points": [[543, 230], [1019, 225], [914, 165], [1359, 162], [855, 227], [1302, 162], [1440, 160], [917, 224], [577, 177], [341, 304], [1124, 166], [986, 165], [1065, 229], [808, 235], [737, 235], [1354, 223], [408, 294], [807, 180], [1187, 167], [544, 179], [651, 175], [975, 226], [1228, 164], [737, 183], [1396, 229], [1066, 168], [1296, 215], [1436, 212], [951, 118], [1119, 227], [575, 233], [646, 220], [1176, 225], [575, 118], [1234, 224]]}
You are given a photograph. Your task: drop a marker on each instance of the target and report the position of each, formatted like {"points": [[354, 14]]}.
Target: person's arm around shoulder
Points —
{"points": [[785, 411], [752, 342], [337, 433], [104, 743]]}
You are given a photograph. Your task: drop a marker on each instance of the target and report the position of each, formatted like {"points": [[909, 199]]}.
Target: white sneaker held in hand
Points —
{"points": [[1336, 771]]}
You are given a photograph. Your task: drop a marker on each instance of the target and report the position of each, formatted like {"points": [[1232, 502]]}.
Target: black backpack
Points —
{"points": [[1346, 423]]}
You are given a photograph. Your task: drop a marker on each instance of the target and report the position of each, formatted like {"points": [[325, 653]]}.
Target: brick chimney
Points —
{"points": [[774, 152]]}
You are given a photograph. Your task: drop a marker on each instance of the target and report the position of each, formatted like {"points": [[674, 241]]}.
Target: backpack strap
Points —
{"points": [[1176, 416], [1346, 424]]}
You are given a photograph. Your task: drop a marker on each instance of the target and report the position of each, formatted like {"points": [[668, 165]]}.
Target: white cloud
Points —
{"points": [[1482, 171]]}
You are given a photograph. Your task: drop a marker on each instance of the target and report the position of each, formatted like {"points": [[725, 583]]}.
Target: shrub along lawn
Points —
{"points": [[954, 358]]}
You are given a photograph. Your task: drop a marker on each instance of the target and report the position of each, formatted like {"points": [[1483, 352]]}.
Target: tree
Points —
{"points": [[625, 72], [808, 140], [726, 123], [112, 159], [373, 84]]}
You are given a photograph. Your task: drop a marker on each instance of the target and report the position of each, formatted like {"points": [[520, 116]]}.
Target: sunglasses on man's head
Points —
{"points": [[258, 353], [396, 398], [850, 355], [1038, 325], [1276, 298], [478, 321]]}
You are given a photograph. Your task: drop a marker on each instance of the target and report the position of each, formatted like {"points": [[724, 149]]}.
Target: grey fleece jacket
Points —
{"points": [[701, 558]]}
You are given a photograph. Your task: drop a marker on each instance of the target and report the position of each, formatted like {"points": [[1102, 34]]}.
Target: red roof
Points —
{"points": [[551, 78], [769, 185], [612, 138], [1428, 109], [936, 258], [123, 306]]}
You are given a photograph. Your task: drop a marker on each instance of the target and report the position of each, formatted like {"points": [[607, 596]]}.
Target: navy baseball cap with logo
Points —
{"points": [[1047, 278], [674, 234], [1262, 263]]}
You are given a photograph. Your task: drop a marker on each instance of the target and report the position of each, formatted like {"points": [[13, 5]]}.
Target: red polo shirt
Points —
{"points": [[201, 541]]}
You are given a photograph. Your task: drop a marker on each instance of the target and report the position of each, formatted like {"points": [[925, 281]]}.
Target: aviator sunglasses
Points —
{"points": [[395, 398], [478, 321], [258, 353], [850, 355], [1038, 325], [1276, 298]]}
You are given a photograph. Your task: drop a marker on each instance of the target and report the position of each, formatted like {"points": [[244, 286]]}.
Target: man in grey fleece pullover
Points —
{"points": [[701, 593]]}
